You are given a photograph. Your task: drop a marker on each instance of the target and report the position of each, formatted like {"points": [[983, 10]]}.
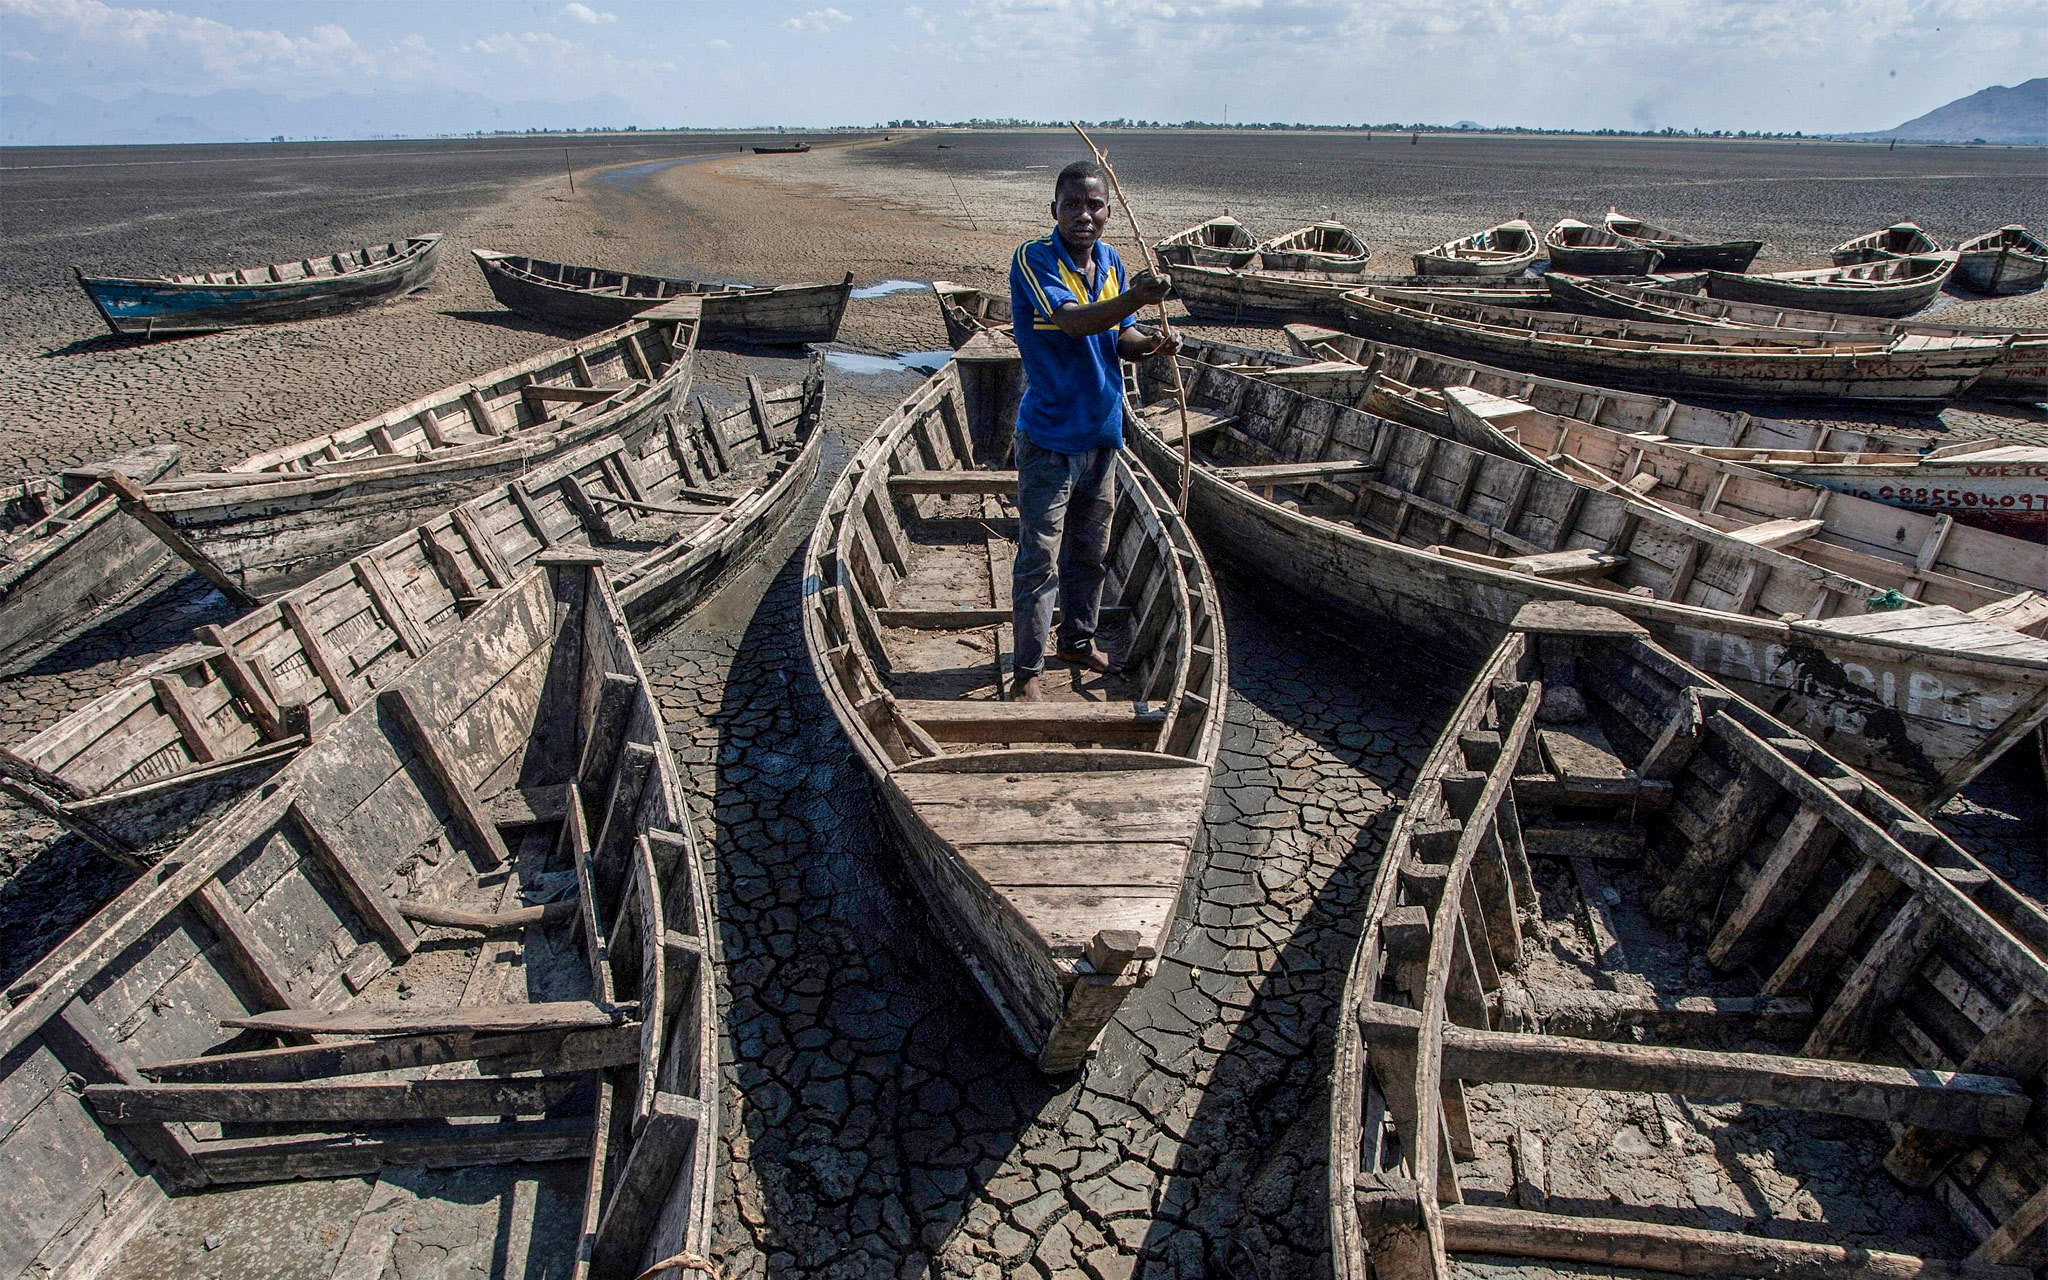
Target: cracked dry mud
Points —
{"points": [[875, 1124]]}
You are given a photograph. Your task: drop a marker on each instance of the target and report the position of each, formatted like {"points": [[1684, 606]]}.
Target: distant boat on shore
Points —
{"points": [[315, 286]]}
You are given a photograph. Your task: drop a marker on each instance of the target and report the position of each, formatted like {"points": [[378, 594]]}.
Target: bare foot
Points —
{"points": [[1027, 689], [1090, 658]]}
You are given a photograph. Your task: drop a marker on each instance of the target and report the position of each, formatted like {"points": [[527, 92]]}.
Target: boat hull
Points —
{"points": [[1920, 378], [2020, 374], [1730, 255], [781, 315], [54, 584], [149, 308], [1923, 731], [2005, 497], [2001, 270], [1890, 301], [1604, 261]]}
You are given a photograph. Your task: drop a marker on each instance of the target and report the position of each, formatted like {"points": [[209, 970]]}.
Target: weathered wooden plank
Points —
{"points": [[554, 1051], [664, 1146], [485, 921], [1954, 1101], [426, 739], [1104, 722], [552, 1015], [905, 483], [1686, 1251], [341, 1155], [375, 1101]]}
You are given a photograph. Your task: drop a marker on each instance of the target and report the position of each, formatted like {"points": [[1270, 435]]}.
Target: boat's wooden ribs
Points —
{"points": [[1928, 977]]}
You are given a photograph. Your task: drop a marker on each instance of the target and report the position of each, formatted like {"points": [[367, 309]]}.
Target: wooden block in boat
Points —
{"points": [[1100, 722], [1688, 1251], [1580, 752], [486, 921], [953, 482], [359, 1153], [553, 1015], [1777, 533], [2022, 612], [528, 806], [1086, 809], [1294, 472], [1602, 840], [1547, 788], [325, 1101], [1570, 618], [1579, 562], [1612, 1015]]}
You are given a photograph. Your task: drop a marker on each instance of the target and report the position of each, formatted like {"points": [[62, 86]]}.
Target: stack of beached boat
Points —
{"points": [[1913, 369], [1049, 838], [1216, 242], [466, 926], [1683, 252], [1506, 250], [969, 312], [593, 297], [1390, 524], [1616, 883], [1899, 240], [282, 517], [1578, 248], [1878, 287], [670, 514], [1321, 246], [2021, 373], [281, 291]]}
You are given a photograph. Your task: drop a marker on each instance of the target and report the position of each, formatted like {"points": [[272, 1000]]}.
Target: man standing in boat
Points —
{"points": [[1072, 304]]}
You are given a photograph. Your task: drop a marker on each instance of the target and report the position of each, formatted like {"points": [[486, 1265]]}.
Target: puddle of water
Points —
{"points": [[863, 363], [887, 287], [633, 174]]}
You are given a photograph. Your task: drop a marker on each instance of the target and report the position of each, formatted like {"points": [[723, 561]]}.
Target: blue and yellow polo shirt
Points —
{"points": [[1074, 389]]}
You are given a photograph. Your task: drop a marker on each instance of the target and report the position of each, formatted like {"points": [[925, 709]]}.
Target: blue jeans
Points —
{"points": [[1064, 503]]}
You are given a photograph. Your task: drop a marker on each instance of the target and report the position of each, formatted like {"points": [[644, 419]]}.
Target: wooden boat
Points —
{"points": [[1410, 382], [1382, 523], [1616, 883], [591, 297], [1579, 248], [1276, 297], [1992, 484], [1682, 252], [1219, 242], [1050, 839], [1506, 250], [2021, 374], [790, 149], [480, 891], [1321, 246], [212, 300], [283, 517], [969, 311], [1889, 287], [2011, 259], [1923, 557], [1677, 359], [1900, 240], [671, 516], [77, 555]]}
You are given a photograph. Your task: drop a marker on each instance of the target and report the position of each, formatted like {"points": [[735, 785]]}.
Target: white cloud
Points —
{"points": [[527, 46], [816, 20], [720, 44], [216, 46], [577, 12], [924, 18]]}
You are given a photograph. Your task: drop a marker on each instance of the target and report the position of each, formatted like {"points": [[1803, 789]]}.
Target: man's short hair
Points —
{"points": [[1079, 171]]}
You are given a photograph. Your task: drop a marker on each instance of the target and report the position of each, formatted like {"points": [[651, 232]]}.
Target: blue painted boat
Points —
{"points": [[272, 294]]}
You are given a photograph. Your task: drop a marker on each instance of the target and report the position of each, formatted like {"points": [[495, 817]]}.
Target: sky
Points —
{"points": [[1776, 65]]}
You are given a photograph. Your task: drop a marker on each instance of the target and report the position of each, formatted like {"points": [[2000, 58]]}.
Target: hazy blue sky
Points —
{"points": [[1816, 65]]}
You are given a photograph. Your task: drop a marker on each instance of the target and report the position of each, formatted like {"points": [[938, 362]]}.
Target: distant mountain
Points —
{"points": [[1997, 114], [244, 115]]}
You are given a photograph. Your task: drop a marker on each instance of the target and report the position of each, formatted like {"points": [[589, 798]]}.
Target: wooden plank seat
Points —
{"points": [[1106, 722], [966, 618], [1777, 533], [1294, 472], [904, 483]]}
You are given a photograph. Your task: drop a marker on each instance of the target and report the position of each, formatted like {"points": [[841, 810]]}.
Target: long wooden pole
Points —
{"points": [[1180, 391]]}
